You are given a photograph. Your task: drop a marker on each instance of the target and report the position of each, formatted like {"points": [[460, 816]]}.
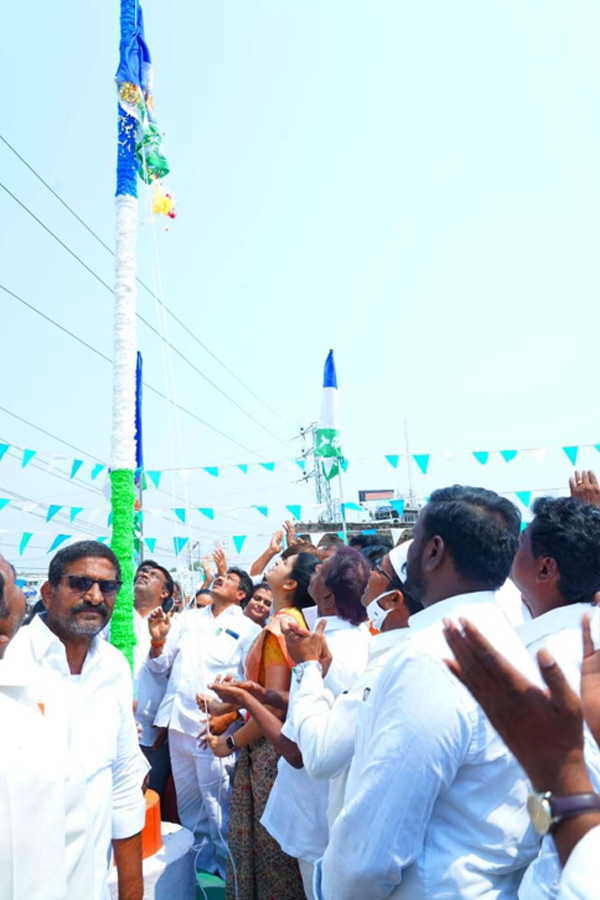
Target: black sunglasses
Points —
{"points": [[392, 579], [82, 584]]}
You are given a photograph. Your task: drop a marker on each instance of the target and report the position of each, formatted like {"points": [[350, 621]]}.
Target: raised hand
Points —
{"points": [[220, 561], [276, 543], [159, 624], [303, 645], [584, 486], [209, 572], [590, 680], [290, 533]]}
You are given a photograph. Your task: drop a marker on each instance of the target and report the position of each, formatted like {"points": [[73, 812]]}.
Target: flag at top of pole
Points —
{"points": [[328, 434]]}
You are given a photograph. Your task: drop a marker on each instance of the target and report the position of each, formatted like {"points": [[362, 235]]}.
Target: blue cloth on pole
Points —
{"points": [[134, 55], [139, 447], [329, 376]]}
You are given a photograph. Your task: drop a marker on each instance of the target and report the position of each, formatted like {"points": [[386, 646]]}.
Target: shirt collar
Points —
{"points": [[385, 640], [453, 606], [44, 641], [335, 623], [553, 621]]}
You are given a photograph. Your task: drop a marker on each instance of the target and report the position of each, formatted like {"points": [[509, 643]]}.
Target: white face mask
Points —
{"points": [[376, 614]]}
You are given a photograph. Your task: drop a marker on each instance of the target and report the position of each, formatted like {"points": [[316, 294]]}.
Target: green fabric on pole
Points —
{"points": [[122, 634]]}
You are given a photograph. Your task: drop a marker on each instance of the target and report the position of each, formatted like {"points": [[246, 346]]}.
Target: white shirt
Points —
{"points": [[45, 850], [580, 876], [435, 802], [199, 647], [559, 631], [326, 726], [296, 811], [92, 715], [509, 599]]}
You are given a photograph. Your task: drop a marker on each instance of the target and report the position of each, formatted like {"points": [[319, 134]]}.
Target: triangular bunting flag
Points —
{"points": [[27, 457], [77, 464], [398, 505], [301, 463], [150, 544], [212, 470], [243, 467], [27, 535], [52, 511], [58, 540], [393, 460], [4, 502], [264, 510], [507, 455], [539, 455], [344, 464], [238, 541], [354, 506], [102, 540], [3, 450], [481, 456], [270, 467], [340, 534], [422, 460], [109, 520], [524, 497], [75, 510], [29, 506], [180, 513], [572, 454], [96, 470], [207, 511], [330, 468], [179, 543], [154, 478], [296, 511], [597, 446]]}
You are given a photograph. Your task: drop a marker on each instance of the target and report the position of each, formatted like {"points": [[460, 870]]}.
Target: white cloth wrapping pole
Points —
{"points": [[122, 454]]}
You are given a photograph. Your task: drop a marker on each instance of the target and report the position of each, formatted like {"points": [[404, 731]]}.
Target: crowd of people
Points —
{"points": [[362, 722]]}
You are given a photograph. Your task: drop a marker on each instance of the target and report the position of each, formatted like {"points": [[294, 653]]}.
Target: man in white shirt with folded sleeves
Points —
{"points": [[435, 803]]}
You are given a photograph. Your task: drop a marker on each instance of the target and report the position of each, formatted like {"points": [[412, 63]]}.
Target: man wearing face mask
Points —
{"points": [[325, 726]]}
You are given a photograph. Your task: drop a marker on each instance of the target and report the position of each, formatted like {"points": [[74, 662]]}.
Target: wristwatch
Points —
{"points": [[231, 744], [300, 669], [547, 810]]}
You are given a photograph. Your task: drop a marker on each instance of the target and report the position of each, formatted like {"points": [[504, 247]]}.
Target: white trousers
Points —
{"points": [[307, 871], [203, 787]]}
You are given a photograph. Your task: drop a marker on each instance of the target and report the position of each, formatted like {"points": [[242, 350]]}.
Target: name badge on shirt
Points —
{"points": [[228, 631]]}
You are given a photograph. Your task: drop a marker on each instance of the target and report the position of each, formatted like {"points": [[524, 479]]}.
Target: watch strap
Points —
{"points": [[231, 744], [569, 805]]}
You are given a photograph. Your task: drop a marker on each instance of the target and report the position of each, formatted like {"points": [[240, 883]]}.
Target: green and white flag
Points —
{"points": [[328, 435]]}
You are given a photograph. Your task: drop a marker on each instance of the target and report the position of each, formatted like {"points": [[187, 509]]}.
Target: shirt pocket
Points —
{"points": [[223, 649]]}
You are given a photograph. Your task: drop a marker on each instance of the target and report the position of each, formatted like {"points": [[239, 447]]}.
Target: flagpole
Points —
{"points": [[342, 510]]}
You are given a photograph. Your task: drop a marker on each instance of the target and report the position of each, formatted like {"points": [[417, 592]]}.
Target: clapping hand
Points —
{"points": [[159, 624], [220, 560], [584, 486], [276, 543], [303, 645]]}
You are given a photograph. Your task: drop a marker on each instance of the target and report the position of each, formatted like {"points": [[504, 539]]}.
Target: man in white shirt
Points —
{"points": [[84, 686], [435, 803], [557, 570], [199, 645]]}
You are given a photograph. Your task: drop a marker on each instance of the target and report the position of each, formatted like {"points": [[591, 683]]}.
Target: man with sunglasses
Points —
{"points": [[84, 686]]}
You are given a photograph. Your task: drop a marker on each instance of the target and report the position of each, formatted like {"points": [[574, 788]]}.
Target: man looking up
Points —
{"points": [[84, 684], [435, 802], [153, 586], [557, 570], [194, 648]]}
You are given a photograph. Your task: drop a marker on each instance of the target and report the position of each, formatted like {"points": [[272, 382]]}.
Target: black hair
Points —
{"points": [[3, 600], [363, 542], [246, 584], [480, 530], [264, 585], [347, 575], [201, 591], [169, 583], [568, 531], [374, 553], [80, 550], [302, 570]]}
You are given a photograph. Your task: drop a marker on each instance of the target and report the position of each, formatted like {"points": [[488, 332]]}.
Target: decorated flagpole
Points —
{"points": [[328, 432]]}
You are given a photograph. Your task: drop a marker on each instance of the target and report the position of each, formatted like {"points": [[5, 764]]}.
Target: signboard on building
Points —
{"points": [[366, 496]]}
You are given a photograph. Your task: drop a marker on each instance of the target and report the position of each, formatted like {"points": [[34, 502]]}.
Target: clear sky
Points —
{"points": [[416, 185]]}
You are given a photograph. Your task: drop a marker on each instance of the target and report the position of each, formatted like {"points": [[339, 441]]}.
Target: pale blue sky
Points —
{"points": [[413, 184]]}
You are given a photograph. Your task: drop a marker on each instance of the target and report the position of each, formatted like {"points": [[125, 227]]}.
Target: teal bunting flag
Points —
{"points": [[354, 506], [301, 463], [179, 543], [393, 460], [238, 541], [264, 510], [180, 513], [524, 497], [109, 519], [341, 535], [52, 511], [422, 460], [4, 502], [597, 446], [212, 470], [296, 511], [523, 526], [481, 456], [507, 455], [150, 544], [398, 505], [96, 470], [75, 510], [154, 478], [207, 511], [344, 464], [572, 454], [27, 535], [77, 464], [27, 457], [270, 467], [102, 539], [243, 468], [58, 540], [3, 450]]}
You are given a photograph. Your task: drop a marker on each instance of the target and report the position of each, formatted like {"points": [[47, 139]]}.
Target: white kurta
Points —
{"points": [[45, 847], [435, 803], [580, 876], [559, 631], [91, 715]]}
